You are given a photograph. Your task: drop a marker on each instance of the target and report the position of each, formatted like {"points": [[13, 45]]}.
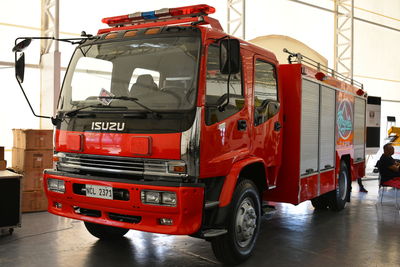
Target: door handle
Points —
{"points": [[241, 125], [277, 126]]}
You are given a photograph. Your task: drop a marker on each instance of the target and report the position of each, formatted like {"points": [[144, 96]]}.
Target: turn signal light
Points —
{"points": [[130, 34], [176, 167], [360, 92], [153, 31], [58, 157], [111, 35]]}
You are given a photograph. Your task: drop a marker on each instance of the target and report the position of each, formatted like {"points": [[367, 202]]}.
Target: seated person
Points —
{"points": [[144, 85], [388, 167]]}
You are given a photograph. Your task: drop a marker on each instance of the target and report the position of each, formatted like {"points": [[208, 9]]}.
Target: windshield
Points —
{"points": [[161, 73]]}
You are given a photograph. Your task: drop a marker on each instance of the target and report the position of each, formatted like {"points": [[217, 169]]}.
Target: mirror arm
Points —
{"points": [[39, 116], [53, 119], [223, 106], [73, 41]]}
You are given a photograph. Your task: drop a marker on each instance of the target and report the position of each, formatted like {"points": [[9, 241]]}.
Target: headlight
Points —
{"points": [[56, 185], [168, 198], [161, 198], [152, 197]]}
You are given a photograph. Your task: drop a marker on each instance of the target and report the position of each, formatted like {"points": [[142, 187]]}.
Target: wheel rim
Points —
{"points": [[343, 185], [246, 222]]}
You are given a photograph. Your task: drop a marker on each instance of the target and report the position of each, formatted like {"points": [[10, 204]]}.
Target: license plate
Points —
{"points": [[99, 191]]}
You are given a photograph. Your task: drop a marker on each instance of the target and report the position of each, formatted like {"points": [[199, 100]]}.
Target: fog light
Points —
{"points": [[166, 221], [58, 205], [56, 185]]}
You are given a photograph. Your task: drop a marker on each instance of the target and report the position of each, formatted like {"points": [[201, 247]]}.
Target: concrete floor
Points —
{"points": [[364, 234]]}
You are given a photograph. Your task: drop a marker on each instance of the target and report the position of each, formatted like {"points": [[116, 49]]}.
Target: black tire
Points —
{"points": [[339, 197], [321, 202], [237, 245], [105, 232]]}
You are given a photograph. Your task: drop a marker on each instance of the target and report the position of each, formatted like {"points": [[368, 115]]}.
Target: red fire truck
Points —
{"points": [[166, 124]]}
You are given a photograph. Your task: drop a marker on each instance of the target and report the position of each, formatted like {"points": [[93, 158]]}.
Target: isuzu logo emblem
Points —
{"points": [[108, 126]]}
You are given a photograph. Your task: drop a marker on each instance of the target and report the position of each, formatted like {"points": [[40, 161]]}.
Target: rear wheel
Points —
{"points": [[321, 202], [243, 226], [339, 197], [105, 232]]}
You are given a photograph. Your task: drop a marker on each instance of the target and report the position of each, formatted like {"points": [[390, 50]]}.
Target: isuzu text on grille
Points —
{"points": [[108, 126]]}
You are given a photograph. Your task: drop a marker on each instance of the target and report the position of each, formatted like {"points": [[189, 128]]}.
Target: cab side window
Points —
{"points": [[216, 90], [265, 92]]}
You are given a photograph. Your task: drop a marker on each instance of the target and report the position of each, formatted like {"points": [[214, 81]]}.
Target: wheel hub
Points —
{"points": [[343, 186], [246, 222]]}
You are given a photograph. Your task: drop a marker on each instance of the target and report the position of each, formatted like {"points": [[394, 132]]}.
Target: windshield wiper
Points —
{"points": [[72, 113], [136, 100]]}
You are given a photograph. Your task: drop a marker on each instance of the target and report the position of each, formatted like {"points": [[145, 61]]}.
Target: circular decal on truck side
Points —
{"points": [[345, 119]]}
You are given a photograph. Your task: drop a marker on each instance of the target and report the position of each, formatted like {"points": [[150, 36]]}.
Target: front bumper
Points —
{"points": [[186, 216]]}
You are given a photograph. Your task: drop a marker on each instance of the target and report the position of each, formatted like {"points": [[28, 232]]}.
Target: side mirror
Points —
{"points": [[20, 68], [229, 56], [22, 45]]}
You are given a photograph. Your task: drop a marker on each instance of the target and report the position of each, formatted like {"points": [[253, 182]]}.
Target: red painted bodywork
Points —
{"points": [[187, 215], [231, 180], [159, 146], [288, 183]]}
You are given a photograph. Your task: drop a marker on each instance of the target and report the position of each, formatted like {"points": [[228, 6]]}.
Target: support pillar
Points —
{"points": [[344, 37], [236, 18], [50, 62]]}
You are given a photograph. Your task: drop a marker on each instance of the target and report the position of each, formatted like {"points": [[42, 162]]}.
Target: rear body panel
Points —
{"points": [[294, 184]]}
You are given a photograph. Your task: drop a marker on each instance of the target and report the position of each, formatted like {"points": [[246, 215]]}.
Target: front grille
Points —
{"points": [[95, 163], [124, 167]]}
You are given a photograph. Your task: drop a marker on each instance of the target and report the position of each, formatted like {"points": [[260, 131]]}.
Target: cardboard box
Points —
{"points": [[33, 201], [26, 161], [33, 139], [3, 165], [32, 181], [1, 152]]}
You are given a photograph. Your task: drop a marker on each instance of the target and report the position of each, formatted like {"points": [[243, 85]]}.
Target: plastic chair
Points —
{"points": [[394, 183]]}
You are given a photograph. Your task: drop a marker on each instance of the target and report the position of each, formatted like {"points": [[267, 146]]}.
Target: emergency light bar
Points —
{"points": [[187, 11]]}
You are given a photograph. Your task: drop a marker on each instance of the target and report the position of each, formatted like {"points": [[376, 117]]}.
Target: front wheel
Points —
{"points": [[105, 232], [243, 226]]}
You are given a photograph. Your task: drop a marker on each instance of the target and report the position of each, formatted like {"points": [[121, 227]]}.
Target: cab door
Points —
{"points": [[267, 119], [225, 137]]}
